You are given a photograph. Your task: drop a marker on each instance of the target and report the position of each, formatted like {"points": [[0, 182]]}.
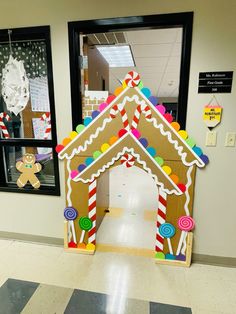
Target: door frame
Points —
{"points": [[172, 20]]}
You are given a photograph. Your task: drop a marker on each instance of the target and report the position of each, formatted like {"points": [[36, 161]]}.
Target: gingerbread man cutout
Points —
{"points": [[28, 167]]}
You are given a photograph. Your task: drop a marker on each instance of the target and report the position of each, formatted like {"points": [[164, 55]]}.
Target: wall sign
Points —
{"points": [[212, 113], [215, 82]]}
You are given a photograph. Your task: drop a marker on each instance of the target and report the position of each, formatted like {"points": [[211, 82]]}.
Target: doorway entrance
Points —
{"points": [[133, 202]]}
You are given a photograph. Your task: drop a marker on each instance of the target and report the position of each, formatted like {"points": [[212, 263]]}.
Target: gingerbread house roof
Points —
{"points": [[129, 144], [104, 125]]}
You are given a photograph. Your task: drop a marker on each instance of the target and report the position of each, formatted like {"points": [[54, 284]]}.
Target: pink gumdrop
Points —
{"points": [[168, 117], [161, 109], [110, 98], [186, 223], [136, 133], [74, 173], [102, 106]]}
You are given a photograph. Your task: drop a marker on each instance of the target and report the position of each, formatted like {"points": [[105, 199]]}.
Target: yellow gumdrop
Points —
{"points": [[176, 126], [73, 134], [105, 147], [118, 90], [66, 141], [124, 85], [167, 170], [113, 139], [90, 247], [183, 134]]}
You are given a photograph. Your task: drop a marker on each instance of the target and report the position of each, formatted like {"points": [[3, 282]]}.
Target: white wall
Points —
{"points": [[213, 48]]}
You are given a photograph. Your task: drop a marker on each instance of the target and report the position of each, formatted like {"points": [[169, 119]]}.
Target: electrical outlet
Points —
{"points": [[211, 138], [230, 139]]}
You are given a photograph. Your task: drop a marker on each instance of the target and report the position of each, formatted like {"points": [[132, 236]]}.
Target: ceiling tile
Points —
{"points": [[157, 50], [155, 36]]}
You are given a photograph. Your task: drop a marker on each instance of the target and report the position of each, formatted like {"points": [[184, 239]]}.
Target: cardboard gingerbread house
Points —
{"points": [[131, 128]]}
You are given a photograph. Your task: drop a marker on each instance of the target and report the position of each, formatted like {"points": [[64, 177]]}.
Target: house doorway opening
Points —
{"points": [[131, 220]]}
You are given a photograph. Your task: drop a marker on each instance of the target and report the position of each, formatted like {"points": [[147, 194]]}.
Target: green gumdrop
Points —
{"points": [[140, 85], [160, 255], [80, 128], [96, 154], [159, 160], [191, 142]]}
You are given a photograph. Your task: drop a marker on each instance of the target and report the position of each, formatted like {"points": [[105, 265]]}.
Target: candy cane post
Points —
{"points": [[2, 124], [161, 219], [92, 211], [47, 118], [128, 160], [140, 109], [115, 110]]}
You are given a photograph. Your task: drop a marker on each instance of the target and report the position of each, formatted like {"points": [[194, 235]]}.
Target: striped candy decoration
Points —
{"points": [[161, 218], [115, 110], [128, 160], [132, 79], [141, 109], [2, 124], [47, 118], [92, 211]]}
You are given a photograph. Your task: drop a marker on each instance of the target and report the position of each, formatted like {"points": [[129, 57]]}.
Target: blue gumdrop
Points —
{"points": [[153, 100], [181, 257], [205, 159], [143, 141], [197, 150], [81, 167], [89, 161], [87, 120], [151, 151], [95, 114], [170, 256], [146, 91]]}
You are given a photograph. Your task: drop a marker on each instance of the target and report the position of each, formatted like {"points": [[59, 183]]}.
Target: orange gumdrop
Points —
{"points": [[113, 139], [176, 126], [174, 178], [66, 141], [118, 90], [81, 246]]}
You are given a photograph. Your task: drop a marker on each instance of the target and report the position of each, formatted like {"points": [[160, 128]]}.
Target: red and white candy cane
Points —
{"points": [[128, 160], [47, 118], [2, 124], [115, 110], [141, 109], [92, 211], [161, 218], [132, 79]]}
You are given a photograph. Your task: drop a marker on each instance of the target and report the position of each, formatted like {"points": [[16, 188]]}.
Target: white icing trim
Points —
{"points": [[177, 191], [200, 163], [189, 182], [68, 184]]}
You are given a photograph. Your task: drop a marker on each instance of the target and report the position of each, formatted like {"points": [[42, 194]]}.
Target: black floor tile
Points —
{"points": [[159, 308], [14, 294], [86, 302]]}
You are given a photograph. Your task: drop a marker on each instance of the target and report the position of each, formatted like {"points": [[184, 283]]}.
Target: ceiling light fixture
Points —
{"points": [[117, 56]]}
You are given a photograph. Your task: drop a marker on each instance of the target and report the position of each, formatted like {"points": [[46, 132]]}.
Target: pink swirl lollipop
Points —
{"points": [[185, 224]]}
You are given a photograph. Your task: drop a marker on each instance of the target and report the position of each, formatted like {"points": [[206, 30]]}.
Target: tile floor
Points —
{"points": [[128, 282]]}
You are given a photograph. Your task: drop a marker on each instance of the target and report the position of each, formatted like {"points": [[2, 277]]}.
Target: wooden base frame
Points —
{"points": [[186, 263]]}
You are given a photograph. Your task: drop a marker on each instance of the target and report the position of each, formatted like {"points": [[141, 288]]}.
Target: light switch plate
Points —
{"points": [[211, 138], [230, 139]]}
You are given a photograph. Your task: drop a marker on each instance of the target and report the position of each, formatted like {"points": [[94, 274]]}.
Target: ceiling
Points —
{"points": [[157, 56]]}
